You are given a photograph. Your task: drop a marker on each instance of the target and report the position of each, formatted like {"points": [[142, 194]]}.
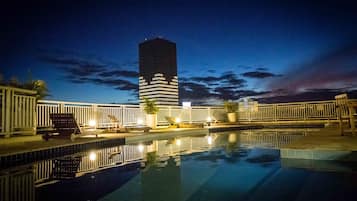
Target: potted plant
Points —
{"points": [[231, 109], [151, 110]]}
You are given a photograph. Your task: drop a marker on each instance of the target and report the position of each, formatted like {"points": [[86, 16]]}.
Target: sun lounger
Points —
{"points": [[137, 128], [172, 122], [115, 121], [345, 112], [65, 125]]}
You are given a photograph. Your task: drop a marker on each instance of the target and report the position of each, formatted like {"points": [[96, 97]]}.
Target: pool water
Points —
{"points": [[243, 165]]}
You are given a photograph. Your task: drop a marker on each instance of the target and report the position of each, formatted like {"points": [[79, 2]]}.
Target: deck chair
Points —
{"points": [[66, 126], [172, 122], [115, 121], [344, 112]]}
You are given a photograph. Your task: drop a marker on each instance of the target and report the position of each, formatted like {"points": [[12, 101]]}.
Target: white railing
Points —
{"points": [[129, 114], [126, 114], [18, 111], [298, 111]]}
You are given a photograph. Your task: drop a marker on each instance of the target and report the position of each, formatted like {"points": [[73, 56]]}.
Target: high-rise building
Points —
{"points": [[158, 71]]}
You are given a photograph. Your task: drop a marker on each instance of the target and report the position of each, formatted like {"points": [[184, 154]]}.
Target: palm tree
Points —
{"points": [[40, 87]]}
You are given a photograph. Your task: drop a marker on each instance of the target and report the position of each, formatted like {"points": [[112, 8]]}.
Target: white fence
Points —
{"points": [[130, 114], [18, 111], [126, 114], [298, 111]]}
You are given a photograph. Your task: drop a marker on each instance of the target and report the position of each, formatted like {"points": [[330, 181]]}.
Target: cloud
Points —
{"points": [[259, 74], [195, 91], [227, 78], [120, 73], [89, 69], [283, 96], [262, 69], [215, 89], [336, 69], [207, 80], [231, 79]]}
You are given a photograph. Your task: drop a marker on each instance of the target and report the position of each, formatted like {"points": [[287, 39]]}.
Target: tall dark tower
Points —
{"points": [[158, 71]]}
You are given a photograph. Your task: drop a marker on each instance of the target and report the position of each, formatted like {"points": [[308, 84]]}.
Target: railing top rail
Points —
{"points": [[295, 103], [20, 90], [118, 105], [84, 103], [173, 107]]}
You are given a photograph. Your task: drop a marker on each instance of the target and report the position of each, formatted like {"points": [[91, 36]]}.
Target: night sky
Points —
{"points": [[273, 51]]}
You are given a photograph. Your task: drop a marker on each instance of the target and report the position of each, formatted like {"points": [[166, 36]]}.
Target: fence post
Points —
{"points": [[8, 108], [170, 111], [95, 113], [123, 110], [61, 108], [190, 114]]}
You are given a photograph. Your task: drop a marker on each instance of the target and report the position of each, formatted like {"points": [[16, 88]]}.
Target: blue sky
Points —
{"points": [[270, 50]]}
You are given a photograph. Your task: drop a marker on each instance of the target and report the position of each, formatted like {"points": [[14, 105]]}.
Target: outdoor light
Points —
{"points": [[209, 140], [177, 120], [140, 121], [178, 142], [141, 148], [92, 156], [209, 120], [92, 123], [186, 105]]}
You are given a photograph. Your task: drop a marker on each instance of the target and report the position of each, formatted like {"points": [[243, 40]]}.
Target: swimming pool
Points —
{"points": [[242, 165]]}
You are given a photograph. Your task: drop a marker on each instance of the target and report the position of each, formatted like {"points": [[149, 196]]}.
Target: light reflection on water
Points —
{"points": [[225, 166]]}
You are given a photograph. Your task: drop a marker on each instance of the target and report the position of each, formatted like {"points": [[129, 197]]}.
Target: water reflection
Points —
{"points": [[83, 171]]}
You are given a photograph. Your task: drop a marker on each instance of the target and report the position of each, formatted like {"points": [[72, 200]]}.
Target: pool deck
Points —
{"points": [[323, 144], [21, 144]]}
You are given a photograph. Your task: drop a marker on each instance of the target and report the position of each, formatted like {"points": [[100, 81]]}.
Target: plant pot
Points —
{"points": [[151, 120], [232, 117]]}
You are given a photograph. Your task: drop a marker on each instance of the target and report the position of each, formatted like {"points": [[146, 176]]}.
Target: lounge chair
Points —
{"points": [[65, 125], [172, 122], [345, 112], [115, 121]]}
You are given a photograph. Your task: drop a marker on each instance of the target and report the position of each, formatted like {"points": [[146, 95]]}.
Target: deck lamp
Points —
{"points": [[186, 105], [178, 142], [92, 156], [141, 148], [140, 121], [92, 123], [209, 120], [177, 120]]}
